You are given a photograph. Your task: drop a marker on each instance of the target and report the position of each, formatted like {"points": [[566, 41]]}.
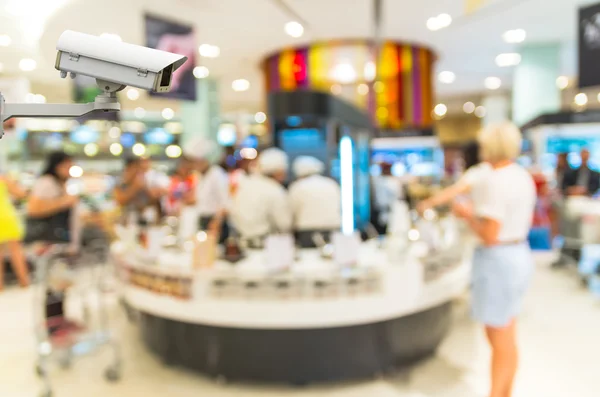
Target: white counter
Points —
{"points": [[402, 293]]}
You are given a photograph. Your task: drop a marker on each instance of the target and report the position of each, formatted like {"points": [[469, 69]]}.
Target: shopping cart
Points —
{"points": [[79, 283], [580, 230], [570, 241]]}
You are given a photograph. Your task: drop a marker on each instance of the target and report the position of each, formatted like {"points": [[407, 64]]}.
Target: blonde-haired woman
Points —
{"points": [[500, 215]]}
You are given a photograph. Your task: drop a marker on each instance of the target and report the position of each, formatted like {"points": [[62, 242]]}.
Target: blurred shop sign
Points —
{"points": [[167, 35], [589, 116], [589, 46], [407, 132]]}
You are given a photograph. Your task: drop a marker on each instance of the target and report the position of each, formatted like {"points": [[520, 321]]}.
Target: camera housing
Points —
{"points": [[114, 64]]}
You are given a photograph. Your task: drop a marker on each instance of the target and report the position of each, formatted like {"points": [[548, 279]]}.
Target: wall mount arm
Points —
{"points": [[106, 102]]}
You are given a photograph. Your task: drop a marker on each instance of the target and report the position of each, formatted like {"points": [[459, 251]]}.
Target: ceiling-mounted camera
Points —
{"points": [[116, 62], [114, 65]]}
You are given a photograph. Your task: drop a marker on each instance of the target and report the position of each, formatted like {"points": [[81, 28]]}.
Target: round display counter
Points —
{"points": [[314, 322]]}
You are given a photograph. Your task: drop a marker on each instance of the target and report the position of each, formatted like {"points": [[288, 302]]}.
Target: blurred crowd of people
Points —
{"points": [[253, 200]]}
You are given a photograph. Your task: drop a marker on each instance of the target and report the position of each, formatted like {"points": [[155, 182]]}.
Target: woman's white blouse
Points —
{"points": [[506, 195]]}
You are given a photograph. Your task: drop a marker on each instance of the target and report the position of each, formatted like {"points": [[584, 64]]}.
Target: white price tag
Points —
{"points": [[279, 251], [399, 222], [345, 249], [155, 237], [188, 223]]}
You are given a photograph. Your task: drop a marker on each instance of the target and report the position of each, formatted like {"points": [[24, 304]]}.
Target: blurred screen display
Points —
{"points": [[179, 38], [304, 142], [416, 161], [572, 146], [127, 140], [84, 135], [158, 136]]}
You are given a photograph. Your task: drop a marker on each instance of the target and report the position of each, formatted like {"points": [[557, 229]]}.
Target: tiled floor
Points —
{"points": [[559, 333]]}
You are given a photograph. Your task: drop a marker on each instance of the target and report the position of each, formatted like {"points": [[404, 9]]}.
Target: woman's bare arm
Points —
{"points": [[15, 190], [445, 196], [42, 207]]}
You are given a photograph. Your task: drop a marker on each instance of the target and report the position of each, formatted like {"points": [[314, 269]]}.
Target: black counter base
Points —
{"points": [[297, 356]]}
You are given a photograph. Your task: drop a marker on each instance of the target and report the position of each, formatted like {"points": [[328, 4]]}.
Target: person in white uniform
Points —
{"points": [[388, 189], [315, 201], [261, 205], [501, 214], [212, 188]]}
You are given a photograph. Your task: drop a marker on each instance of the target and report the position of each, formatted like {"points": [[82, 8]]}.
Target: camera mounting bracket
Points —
{"points": [[107, 102]]}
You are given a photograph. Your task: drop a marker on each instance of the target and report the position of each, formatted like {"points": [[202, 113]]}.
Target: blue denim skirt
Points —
{"points": [[501, 276]]}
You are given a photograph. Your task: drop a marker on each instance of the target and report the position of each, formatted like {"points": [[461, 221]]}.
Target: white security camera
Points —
{"points": [[113, 64], [117, 63]]}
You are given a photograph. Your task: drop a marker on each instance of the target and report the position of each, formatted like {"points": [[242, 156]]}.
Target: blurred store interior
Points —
{"points": [[194, 264]]}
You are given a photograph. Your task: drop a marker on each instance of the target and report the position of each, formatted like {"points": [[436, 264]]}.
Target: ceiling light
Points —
{"points": [[75, 171], [133, 94], [444, 20], [168, 113], [294, 29], [90, 150], [139, 149], [344, 73], [492, 83], [173, 151], [248, 153], [227, 134], [209, 51], [508, 59], [336, 89], [201, 72], [432, 24], [260, 117], [446, 77], [581, 99], [116, 149], [480, 111], [562, 82], [5, 40], [362, 89], [114, 132], [514, 36], [469, 107], [440, 110], [139, 113], [240, 85], [27, 64], [111, 36], [440, 22], [34, 98]]}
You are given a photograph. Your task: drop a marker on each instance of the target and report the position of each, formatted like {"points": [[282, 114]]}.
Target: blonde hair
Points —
{"points": [[500, 142]]}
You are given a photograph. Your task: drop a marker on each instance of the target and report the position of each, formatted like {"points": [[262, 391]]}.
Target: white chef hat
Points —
{"points": [[198, 149], [272, 160], [307, 165]]}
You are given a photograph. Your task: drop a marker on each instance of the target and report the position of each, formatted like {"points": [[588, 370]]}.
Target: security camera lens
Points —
{"points": [[165, 79]]}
